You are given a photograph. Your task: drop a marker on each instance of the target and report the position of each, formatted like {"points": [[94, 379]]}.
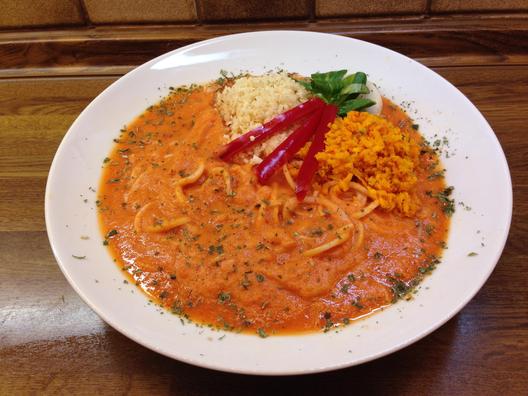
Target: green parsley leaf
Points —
{"points": [[262, 333], [224, 297], [340, 89]]}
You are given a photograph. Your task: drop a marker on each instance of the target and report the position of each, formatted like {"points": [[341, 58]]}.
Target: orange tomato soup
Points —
{"points": [[224, 251]]}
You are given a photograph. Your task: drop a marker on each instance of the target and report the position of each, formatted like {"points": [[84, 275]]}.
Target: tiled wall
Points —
{"points": [[34, 13]]}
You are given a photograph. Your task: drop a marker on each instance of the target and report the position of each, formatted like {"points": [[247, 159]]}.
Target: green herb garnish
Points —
{"points": [[111, 233], [340, 89], [219, 249], [223, 297], [262, 333], [448, 204]]}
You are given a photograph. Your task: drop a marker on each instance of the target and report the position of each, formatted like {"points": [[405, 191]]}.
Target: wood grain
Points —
{"points": [[455, 40], [53, 343]]}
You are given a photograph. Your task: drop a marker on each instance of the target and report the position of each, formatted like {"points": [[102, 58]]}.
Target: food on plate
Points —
{"points": [[275, 203]]}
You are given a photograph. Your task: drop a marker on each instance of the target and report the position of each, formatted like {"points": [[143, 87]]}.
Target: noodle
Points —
{"points": [[193, 176], [227, 178], [366, 210], [334, 208], [343, 234], [288, 176], [360, 234], [359, 188], [136, 185], [179, 193], [139, 217], [184, 181], [167, 225]]}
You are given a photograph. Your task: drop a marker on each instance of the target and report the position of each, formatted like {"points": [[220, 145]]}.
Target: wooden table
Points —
{"points": [[51, 342]]}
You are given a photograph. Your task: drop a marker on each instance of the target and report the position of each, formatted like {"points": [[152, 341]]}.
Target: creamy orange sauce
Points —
{"points": [[238, 262]]}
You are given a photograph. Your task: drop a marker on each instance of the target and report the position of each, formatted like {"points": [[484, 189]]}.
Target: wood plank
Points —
{"points": [[462, 40], [35, 115], [49, 96], [34, 137], [22, 203]]}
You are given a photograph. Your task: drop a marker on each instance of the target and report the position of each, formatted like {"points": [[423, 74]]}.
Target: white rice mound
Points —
{"points": [[253, 100]]}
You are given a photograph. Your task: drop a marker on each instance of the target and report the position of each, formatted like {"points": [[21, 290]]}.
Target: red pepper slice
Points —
{"points": [[278, 123], [310, 163], [287, 149]]}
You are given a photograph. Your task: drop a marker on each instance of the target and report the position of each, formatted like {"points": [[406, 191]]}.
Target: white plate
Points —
{"points": [[476, 167]]}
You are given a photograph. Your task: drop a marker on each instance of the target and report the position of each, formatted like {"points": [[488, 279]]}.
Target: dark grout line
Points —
{"points": [[84, 13], [427, 12], [199, 12], [311, 11]]}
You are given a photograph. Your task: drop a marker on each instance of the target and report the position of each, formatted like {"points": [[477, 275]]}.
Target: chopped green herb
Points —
{"points": [[471, 254], [260, 278], [400, 288], [429, 229], [111, 233], [328, 321], [448, 204], [436, 175], [261, 246], [78, 257], [224, 297], [316, 232], [245, 283], [219, 249], [357, 304], [262, 333], [177, 308]]}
